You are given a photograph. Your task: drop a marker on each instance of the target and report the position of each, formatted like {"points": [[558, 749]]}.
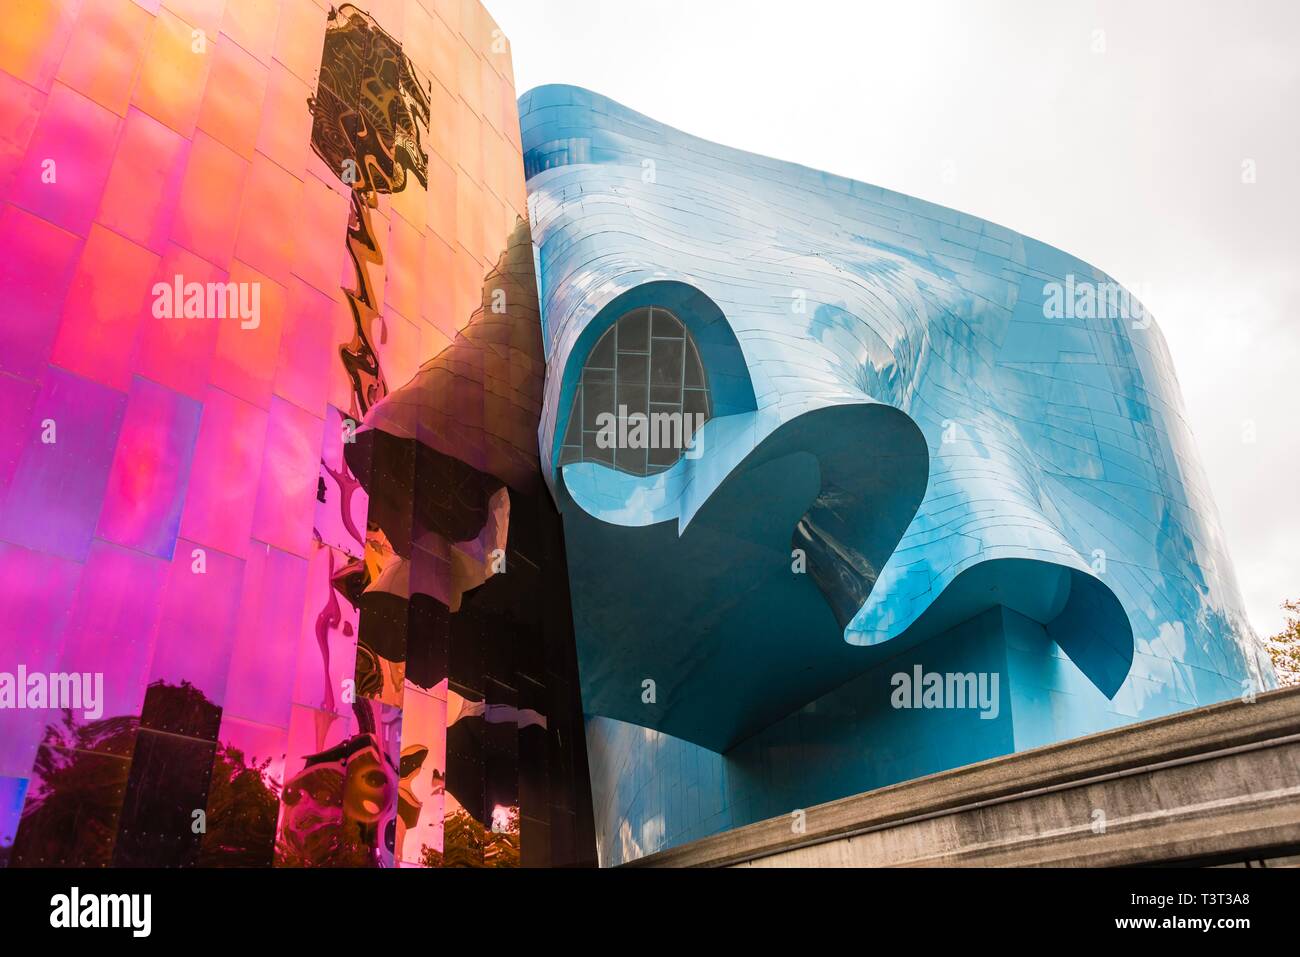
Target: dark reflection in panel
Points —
{"points": [[433, 585], [182, 710], [74, 802], [475, 553], [244, 796], [166, 790]]}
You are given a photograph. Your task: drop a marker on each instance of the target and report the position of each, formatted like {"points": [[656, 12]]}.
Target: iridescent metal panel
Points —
{"points": [[291, 527]]}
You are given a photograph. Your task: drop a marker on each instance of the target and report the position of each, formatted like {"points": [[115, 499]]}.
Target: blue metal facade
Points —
{"points": [[936, 444]]}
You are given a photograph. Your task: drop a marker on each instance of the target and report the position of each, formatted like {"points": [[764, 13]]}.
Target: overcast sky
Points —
{"points": [[1114, 130]]}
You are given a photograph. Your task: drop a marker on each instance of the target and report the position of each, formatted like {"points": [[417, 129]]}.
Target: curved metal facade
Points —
{"points": [[938, 444]]}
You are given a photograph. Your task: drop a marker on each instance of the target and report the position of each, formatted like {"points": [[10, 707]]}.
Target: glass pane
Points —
{"points": [[666, 325], [695, 401], [591, 452], [632, 397], [634, 332], [596, 398], [630, 460], [629, 369], [694, 370], [602, 357], [666, 362], [633, 369], [573, 434], [663, 459]]}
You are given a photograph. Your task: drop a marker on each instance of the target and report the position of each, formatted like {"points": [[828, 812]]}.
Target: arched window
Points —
{"points": [[642, 396]]}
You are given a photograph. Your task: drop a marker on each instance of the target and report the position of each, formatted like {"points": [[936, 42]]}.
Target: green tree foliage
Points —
{"points": [[242, 807], [467, 843], [1284, 647]]}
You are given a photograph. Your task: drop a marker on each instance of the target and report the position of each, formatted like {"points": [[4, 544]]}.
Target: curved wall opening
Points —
{"points": [[644, 378], [725, 374]]}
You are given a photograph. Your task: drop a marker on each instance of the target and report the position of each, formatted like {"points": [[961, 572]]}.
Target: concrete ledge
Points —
{"points": [[1217, 781]]}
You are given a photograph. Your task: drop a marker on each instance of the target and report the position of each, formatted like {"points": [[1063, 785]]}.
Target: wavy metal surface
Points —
{"points": [[1061, 471]]}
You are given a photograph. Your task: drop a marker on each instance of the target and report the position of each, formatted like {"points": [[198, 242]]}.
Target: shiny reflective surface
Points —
{"points": [[308, 550], [316, 559], [1042, 516]]}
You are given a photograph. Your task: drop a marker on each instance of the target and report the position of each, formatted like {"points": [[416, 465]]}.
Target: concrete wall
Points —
{"points": [[1217, 784]]}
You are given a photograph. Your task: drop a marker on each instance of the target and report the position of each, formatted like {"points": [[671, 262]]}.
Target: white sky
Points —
{"points": [[1129, 158]]}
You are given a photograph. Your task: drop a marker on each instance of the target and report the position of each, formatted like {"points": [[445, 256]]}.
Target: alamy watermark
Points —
{"points": [[59, 690], [948, 690], [179, 299], [656, 430], [1084, 299], [75, 909]]}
